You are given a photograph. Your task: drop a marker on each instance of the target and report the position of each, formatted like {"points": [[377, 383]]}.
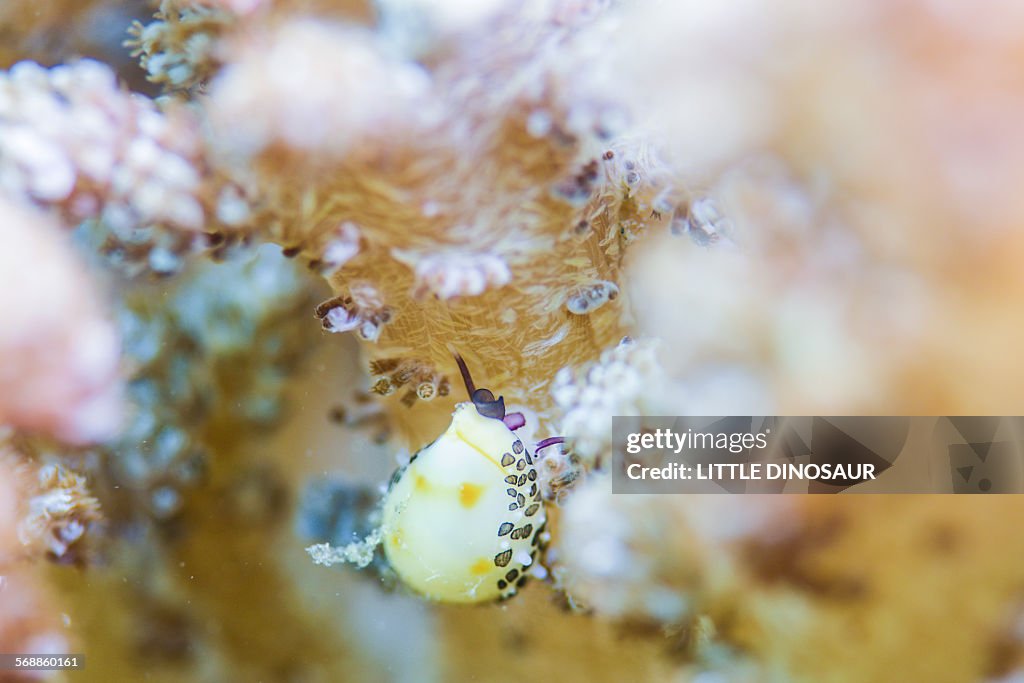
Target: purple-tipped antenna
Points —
{"points": [[550, 441]]}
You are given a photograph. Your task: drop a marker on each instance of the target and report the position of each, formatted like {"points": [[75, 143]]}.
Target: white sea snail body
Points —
{"points": [[463, 521]]}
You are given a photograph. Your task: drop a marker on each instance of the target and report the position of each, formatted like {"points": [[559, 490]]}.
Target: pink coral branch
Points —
{"points": [[59, 353]]}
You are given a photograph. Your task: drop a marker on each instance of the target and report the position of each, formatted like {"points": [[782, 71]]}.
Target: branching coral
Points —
{"points": [[70, 137], [191, 350], [426, 177], [627, 380], [59, 514], [506, 182], [36, 517], [370, 97], [208, 356], [868, 138], [58, 350], [178, 48]]}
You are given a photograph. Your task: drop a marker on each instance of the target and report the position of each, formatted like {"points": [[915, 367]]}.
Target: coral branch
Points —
{"points": [[71, 138], [29, 620], [59, 353]]}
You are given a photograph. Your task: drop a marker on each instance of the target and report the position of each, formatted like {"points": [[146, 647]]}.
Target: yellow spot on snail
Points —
{"points": [[421, 483], [469, 494], [480, 567]]}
